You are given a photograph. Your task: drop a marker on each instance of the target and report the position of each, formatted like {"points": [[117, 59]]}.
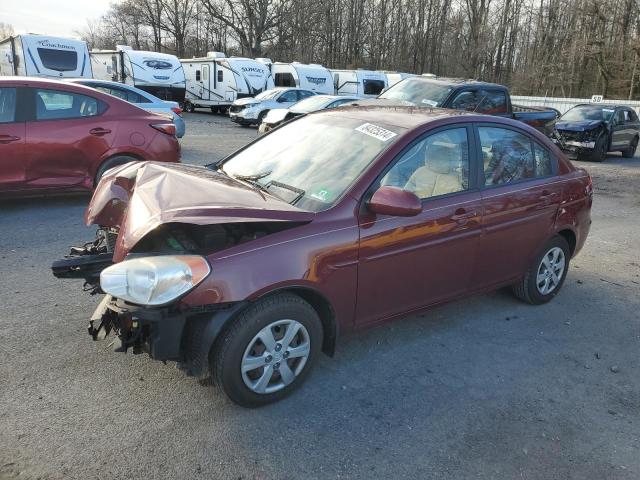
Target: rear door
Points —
{"points": [[66, 136], [520, 197], [407, 263], [620, 137], [12, 140]]}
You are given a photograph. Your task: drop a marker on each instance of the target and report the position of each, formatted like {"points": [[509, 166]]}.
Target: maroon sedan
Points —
{"points": [[56, 136], [248, 269]]}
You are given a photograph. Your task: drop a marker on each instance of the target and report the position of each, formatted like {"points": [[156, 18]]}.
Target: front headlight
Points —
{"points": [[154, 280]]}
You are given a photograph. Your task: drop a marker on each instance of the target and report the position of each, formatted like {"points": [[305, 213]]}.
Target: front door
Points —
{"points": [[12, 140], [520, 201], [409, 262]]}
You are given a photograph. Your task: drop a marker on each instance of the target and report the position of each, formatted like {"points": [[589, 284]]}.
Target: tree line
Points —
{"points": [[568, 48]]}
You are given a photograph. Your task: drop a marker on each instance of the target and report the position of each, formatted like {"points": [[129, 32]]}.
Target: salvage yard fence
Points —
{"points": [[564, 104]]}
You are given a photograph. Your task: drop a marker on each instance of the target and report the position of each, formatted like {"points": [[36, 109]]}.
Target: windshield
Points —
{"points": [[312, 161], [419, 92], [267, 94], [311, 104], [587, 112]]}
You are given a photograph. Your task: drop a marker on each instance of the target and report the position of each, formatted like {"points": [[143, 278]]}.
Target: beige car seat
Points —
{"points": [[438, 176]]}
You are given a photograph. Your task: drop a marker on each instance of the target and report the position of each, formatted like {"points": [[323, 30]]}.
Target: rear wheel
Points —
{"points": [[631, 151], [600, 150], [110, 163], [546, 274], [189, 107], [268, 351]]}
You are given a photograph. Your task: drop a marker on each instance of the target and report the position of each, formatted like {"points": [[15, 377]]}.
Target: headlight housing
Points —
{"points": [[154, 281]]}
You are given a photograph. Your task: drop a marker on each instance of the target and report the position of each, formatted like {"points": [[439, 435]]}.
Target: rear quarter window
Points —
{"points": [[7, 105]]}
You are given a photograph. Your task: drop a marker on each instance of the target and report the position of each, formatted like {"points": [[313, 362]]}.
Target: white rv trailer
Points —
{"points": [[395, 77], [160, 74], [363, 83], [312, 76], [44, 56], [216, 81]]}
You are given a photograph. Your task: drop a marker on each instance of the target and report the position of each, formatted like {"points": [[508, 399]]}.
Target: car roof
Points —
{"points": [[86, 81], [601, 105], [49, 83], [458, 82]]}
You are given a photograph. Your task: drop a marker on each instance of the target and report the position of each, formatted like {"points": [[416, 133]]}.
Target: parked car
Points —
{"points": [[342, 219], [139, 98], [467, 95], [589, 131], [58, 136], [252, 110], [311, 104]]}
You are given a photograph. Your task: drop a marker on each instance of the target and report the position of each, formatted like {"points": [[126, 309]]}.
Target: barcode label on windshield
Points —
{"points": [[374, 131]]}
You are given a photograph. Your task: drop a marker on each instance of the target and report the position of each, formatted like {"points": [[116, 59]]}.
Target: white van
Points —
{"points": [[160, 74], [312, 76], [363, 83], [44, 56], [216, 81]]}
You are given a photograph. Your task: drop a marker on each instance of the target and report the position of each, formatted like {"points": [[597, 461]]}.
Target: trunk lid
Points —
{"points": [[140, 196]]}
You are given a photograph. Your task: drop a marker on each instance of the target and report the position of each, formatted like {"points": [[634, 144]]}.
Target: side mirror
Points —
{"points": [[394, 201]]}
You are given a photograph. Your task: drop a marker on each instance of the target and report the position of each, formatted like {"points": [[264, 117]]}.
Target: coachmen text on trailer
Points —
{"points": [[44, 56], [160, 74], [216, 81]]}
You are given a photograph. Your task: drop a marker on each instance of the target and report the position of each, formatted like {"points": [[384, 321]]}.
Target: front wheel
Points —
{"points": [[189, 107], [268, 351], [600, 150], [546, 274]]}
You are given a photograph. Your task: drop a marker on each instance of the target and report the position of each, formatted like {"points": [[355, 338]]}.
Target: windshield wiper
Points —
{"points": [[284, 186], [255, 177]]}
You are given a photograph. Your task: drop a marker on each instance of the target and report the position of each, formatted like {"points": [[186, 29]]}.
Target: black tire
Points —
{"points": [[631, 151], [189, 107], [227, 353], [261, 116], [600, 150], [110, 163], [527, 289]]}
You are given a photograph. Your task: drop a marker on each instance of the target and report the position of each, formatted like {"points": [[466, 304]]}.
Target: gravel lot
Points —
{"points": [[483, 388]]}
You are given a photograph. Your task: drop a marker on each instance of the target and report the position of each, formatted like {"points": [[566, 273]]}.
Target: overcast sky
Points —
{"points": [[51, 17]]}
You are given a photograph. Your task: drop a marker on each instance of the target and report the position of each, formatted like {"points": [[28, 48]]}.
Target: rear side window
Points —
{"points": [[492, 102], [372, 87], [284, 79], [543, 161], [507, 156], [632, 116], [58, 60], [7, 105], [124, 94], [58, 105]]}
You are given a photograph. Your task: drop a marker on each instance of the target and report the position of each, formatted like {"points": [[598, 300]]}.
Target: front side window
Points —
{"points": [[302, 94], [312, 161], [437, 165], [57, 105], [58, 60], [290, 96], [7, 105], [507, 156], [372, 87]]}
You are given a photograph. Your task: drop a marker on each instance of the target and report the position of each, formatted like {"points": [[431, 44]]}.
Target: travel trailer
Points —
{"points": [[312, 77], [216, 81], [395, 77], [44, 56], [160, 74], [364, 83]]}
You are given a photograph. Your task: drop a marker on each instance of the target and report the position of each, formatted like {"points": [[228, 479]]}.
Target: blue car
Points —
{"points": [[589, 131], [139, 98]]}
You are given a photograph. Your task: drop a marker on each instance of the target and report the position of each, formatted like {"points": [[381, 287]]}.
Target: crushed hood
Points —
{"points": [[246, 101], [140, 196], [578, 126]]}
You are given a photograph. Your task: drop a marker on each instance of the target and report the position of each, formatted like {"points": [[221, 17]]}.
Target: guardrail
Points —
{"points": [[564, 104]]}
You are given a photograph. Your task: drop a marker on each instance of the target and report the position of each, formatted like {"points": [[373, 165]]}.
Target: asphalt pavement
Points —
{"points": [[484, 388]]}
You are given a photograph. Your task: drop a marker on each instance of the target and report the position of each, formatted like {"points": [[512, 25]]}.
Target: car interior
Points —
{"points": [[52, 105]]}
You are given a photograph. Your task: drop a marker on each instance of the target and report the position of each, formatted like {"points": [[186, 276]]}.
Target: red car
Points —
{"points": [[56, 136], [342, 219]]}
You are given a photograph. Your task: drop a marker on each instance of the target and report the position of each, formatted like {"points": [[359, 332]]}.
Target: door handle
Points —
{"points": [[8, 138], [461, 216], [547, 195], [99, 131]]}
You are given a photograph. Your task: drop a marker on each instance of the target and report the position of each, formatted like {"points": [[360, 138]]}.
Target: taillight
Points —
{"points": [[168, 128], [176, 110]]}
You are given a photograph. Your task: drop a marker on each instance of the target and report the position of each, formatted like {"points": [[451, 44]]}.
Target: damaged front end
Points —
{"points": [[576, 140], [157, 226]]}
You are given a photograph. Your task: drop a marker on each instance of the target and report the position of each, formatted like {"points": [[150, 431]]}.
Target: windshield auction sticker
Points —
{"points": [[374, 131]]}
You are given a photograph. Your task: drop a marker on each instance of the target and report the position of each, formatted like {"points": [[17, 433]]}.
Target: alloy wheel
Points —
{"points": [[550, 271], [275, 356]]}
